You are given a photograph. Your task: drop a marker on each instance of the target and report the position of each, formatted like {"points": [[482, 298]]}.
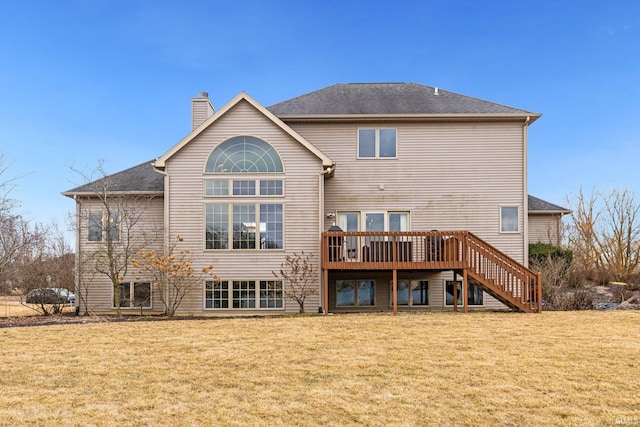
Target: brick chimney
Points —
{"points": [[201, 109]]}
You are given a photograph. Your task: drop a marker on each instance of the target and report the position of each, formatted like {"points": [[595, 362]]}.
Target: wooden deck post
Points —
{"points": [[465, 291], [539, 292], [395, 292], [326, 291], [455, 291]]}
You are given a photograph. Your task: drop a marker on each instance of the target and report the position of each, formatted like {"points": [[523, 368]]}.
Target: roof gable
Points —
{"points": [[160, 163], [404, 99]]}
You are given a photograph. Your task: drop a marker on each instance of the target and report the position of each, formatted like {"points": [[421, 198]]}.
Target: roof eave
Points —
{"points": [[531, 117], [116, 193], [547, 212]]}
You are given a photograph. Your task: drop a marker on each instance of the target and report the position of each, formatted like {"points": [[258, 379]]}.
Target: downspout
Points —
{"points": [[324, 276], [77, 258], [165, 224], [525, 201]]}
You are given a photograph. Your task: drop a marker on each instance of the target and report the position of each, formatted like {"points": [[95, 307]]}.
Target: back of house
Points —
{"points": [[408, 197]]}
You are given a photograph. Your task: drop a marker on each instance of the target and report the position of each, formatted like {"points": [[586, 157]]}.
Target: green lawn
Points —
{"points": [[556, 368]]}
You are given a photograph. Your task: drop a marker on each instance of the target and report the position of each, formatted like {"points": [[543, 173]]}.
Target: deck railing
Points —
{"points": [[498, 274], [392, 250]]}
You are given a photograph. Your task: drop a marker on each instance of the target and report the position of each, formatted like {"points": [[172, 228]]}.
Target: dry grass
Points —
{"points": [[10, 306], [557, 368]]}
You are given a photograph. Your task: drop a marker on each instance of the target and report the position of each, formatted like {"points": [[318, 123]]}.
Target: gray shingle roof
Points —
{"points": [[142, 178], [388, 98], [539, 205]]}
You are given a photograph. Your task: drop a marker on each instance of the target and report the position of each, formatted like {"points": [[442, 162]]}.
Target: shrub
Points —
{"points": [[542, 251], [578, 300]]}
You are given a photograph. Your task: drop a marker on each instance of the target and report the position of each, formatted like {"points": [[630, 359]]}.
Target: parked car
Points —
{"points": [[51, 296]]}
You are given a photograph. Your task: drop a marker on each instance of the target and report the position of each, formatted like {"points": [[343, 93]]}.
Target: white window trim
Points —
{"points": [[230, 296], [517, 219], [230, 181], [377, 144], [230, 215], [149, 307], [104, 233], [362, 217]]}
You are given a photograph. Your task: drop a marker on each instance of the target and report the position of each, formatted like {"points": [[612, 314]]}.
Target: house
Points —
{"points": [[409, 196], [545, 221]]}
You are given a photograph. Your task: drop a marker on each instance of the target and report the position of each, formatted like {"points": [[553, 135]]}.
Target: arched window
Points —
{"points": [[244, 154]]}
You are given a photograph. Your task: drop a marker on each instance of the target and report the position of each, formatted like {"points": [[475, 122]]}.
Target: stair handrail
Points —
{"points": [[504, 262]]}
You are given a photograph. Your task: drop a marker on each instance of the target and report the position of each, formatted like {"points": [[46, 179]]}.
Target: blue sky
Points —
{"points": [[83, 81]]}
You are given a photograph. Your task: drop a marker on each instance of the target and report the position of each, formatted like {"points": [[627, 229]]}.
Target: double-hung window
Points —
{"points": [[377, 143], [103, 227]]}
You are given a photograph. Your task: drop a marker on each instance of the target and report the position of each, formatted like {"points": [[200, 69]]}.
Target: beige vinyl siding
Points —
{"points": [[201, 110], [544, 228], [450, 176], [95, 289], [301, 209]]}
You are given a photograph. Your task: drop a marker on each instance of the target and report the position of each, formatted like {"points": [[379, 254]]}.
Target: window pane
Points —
{"points": [[244, 227], [398, 222], [366, 290], [374, 222], [95, 227], [244, 294], [270, 294], [403, 293], [474, 296], [387, 143], [217, 294], [112, 228], [243, 154], [244, 188], [271, 226], [449, 286], [345, 293], [142, 295], [271, 187], [216, 187], [350, 222], [366, 143], [509, 218], [125, 295], [420, 292], [217, 226]]}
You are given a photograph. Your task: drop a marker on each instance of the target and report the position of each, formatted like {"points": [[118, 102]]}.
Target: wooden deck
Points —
{"points": [[459, 251]]}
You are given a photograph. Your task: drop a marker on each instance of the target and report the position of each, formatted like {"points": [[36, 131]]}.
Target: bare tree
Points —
{"points": [[16, 237], [113, 218], [45, 271], [300, 276], [605, 231], [172, 275]]}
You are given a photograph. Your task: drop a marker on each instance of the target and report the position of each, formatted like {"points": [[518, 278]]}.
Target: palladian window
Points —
{"points": [[244, 154], [251, 221]]}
